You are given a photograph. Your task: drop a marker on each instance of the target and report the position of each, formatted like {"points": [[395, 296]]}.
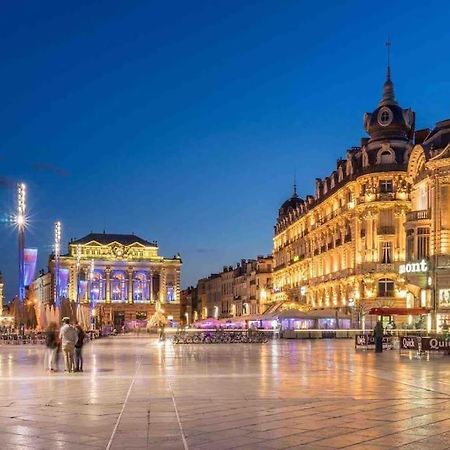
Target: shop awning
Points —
{"points": [[313, 314], [399, 311]]}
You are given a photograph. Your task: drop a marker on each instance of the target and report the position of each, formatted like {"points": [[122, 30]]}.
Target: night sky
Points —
{"points": [[184, 121]]}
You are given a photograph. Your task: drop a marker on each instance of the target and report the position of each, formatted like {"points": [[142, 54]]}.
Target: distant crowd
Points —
{"points": [[69, 340]]}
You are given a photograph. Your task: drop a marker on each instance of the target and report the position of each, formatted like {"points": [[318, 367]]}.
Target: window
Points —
{"points": [[385, 288], [385, 116], [170, 294], [423, 242], [409, 244], [386, 222], [386, 252], [386, 186]]}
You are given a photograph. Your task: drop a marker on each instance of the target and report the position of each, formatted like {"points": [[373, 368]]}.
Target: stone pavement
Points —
{"points": [[139, 394]]}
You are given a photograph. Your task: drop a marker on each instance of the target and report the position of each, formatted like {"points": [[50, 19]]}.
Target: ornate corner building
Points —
{"points": [[121, 276], [344, 247], [428, 224]]}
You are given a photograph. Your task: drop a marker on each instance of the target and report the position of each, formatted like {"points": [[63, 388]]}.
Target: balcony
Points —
{"points": [[371, 267], [386, 230], [423, 214]]}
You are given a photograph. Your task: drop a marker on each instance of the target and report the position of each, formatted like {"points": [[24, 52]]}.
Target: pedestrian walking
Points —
{"points": [[378, 335], [162, 331], [51, 347], [78, 348], [68, 336]]}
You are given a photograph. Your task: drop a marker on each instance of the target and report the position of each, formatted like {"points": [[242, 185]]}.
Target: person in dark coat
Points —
{"points": [[51, 346], [78, 348], [378, 335]]}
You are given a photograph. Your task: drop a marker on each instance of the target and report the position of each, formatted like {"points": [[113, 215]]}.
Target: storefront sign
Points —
{"points": [[364, 340], [438, 344], [413, 267], [409, 343], [444, 298]]}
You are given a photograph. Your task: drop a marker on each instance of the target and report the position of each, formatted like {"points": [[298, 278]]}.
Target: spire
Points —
{"points": [[388, 90], [295, 195]]}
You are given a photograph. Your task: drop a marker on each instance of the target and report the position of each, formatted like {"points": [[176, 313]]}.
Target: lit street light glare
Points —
{"points": [[20, 218]]}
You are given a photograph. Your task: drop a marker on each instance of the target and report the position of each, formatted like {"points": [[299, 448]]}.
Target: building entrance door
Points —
{"points": [[119, 320]]}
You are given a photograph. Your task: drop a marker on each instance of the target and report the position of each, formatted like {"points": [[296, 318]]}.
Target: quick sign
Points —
{"points": [[409, 343], [414, 267], [435, 344]]}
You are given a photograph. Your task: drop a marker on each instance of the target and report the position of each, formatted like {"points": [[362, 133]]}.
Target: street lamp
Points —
{"points": [[57, 250], [21, 222], [78, 273]]}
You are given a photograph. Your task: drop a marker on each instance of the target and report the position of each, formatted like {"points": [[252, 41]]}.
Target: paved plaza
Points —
{"points": [[137, 393]]}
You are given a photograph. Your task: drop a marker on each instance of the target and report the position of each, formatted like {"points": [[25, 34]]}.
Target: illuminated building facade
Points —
{"points": [[237, 291], [428, 224], [342, 248], [122, 277]]}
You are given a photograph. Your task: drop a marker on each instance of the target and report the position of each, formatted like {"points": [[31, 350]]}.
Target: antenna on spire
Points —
{"points": [[388, 47]]}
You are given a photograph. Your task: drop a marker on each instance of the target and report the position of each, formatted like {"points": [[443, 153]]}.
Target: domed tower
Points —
{"points": [[390, 127], [291, 204]]}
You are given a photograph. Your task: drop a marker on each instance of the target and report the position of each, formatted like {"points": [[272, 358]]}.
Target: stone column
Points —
{"points": [[177, 286], [150, 275], [162, 285], [130, 286], [88, 284], [108, 285]]}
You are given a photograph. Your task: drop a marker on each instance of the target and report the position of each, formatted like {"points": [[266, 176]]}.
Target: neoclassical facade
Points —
{"points": [[428, 224], [121, 276], [343, 246]]}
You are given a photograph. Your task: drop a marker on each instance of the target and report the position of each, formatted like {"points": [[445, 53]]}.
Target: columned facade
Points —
{"points": [[121, 277]]}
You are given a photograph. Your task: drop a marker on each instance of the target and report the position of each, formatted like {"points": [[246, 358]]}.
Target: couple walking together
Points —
{"points": [[70, 340]]}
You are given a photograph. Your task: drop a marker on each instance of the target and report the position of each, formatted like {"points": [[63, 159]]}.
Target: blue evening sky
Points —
{"points": [[184, 121]]}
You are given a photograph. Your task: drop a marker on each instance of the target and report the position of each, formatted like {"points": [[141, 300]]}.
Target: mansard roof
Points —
{"points": [[108, 238], [439, 136]]}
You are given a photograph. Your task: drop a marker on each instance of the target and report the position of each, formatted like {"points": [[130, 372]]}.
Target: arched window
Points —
{"points": [[385, 287]]}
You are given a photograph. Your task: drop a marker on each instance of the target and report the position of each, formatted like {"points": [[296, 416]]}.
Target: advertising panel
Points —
{"points": [[29, 262], [435, 344], [63, 282], [409, 343]]}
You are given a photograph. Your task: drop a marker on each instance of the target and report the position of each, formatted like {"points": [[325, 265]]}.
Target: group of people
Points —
{"points": [[70, 340]]}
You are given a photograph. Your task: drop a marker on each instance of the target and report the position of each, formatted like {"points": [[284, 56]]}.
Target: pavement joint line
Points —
{"points": [[183, 437], [108, 447]]}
